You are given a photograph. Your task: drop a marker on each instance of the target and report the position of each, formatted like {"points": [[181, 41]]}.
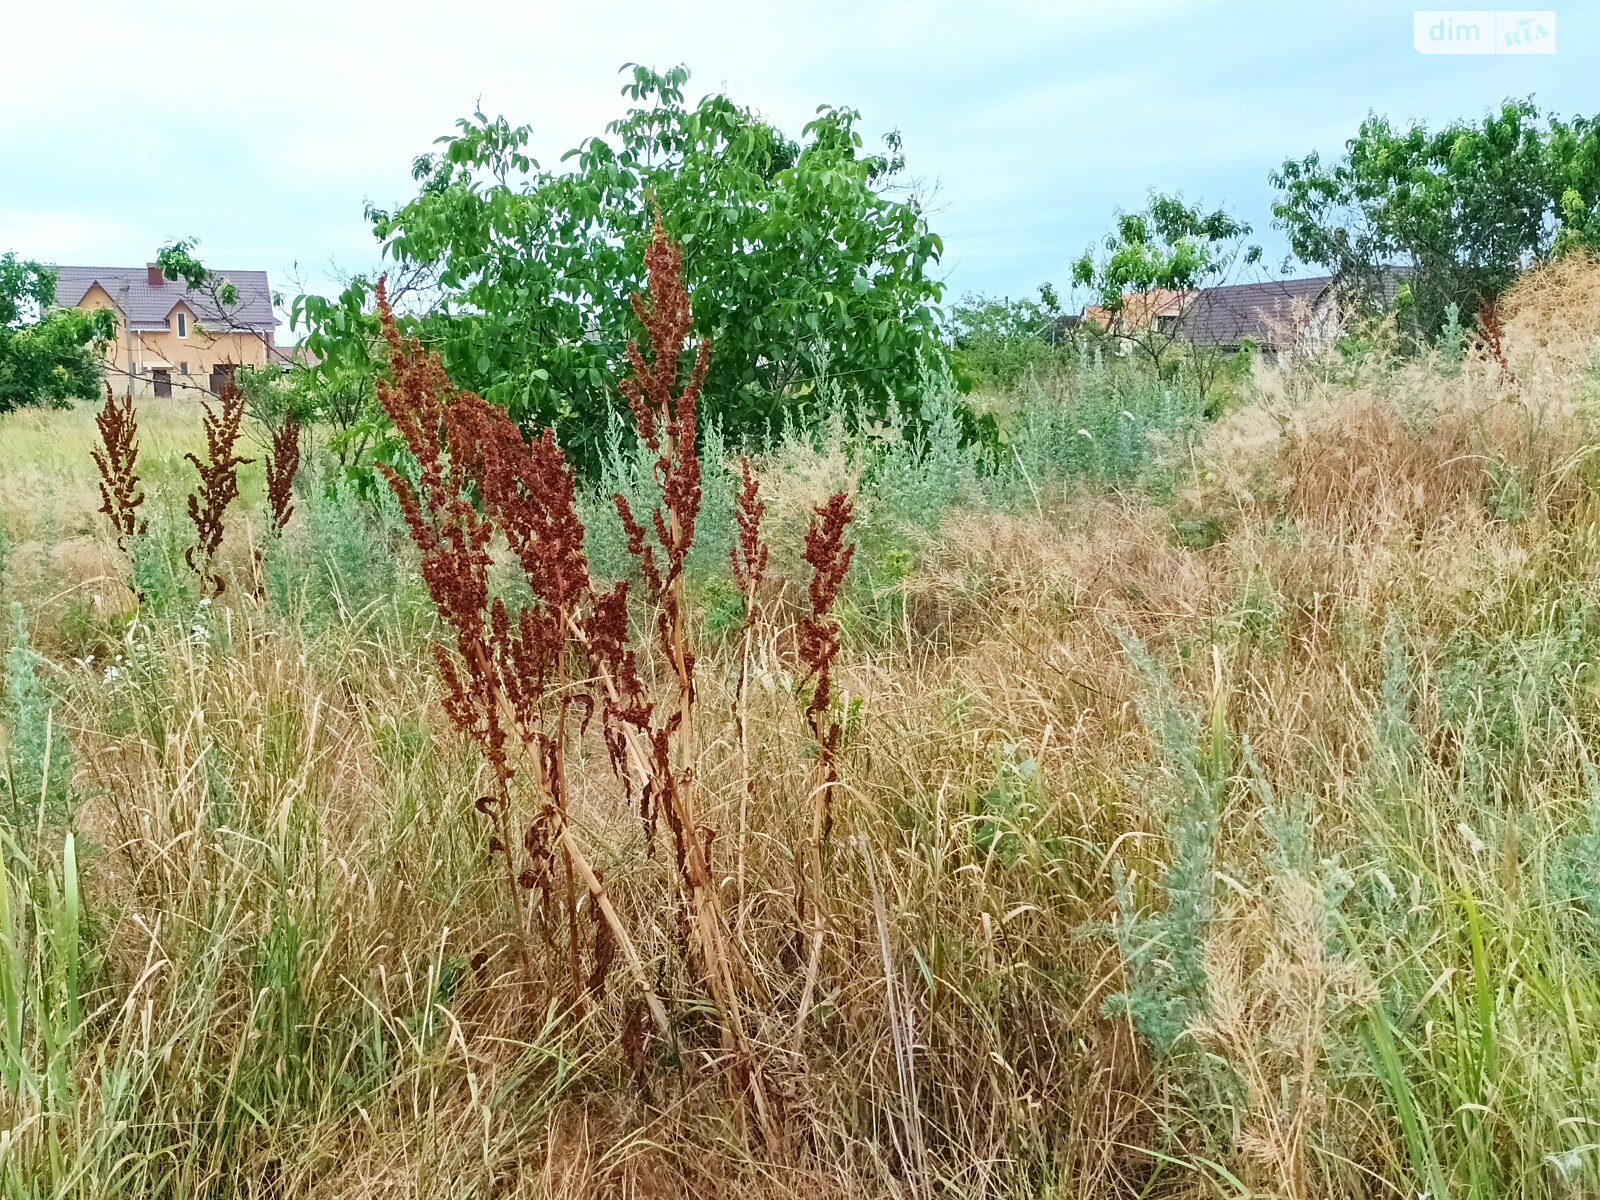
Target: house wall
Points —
{"points": [[201, 350]]}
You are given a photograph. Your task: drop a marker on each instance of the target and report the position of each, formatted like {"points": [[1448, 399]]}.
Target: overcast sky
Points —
{"points": [[263, 128]]}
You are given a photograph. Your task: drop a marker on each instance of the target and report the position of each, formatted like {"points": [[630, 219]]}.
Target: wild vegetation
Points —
{"points": [[1163, 806], [1464, 207], [650, 714]]}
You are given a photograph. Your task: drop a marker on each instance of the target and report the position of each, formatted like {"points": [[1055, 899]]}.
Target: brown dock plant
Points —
{"points": [[506, 675], [661, 750], [283, 464], [117, 460], [219, 485], [748, 559], [829, 556]]}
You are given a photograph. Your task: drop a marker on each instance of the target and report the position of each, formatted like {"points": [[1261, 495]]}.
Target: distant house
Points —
{"points": [[1279, 315], [1158, 309], [170, 334]]}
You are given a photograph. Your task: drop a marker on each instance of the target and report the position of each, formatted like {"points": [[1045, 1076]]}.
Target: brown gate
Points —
{"points": [[222, 377], [162, 381]]}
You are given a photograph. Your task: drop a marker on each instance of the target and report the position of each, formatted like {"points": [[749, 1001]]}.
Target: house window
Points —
{"points": [[183, 368], [183, 327]]}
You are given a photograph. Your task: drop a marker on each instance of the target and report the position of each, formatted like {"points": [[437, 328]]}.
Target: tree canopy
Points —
{"points": [[1463, 208], [46, 357], [996, 342], [806, 259], [1168, 245]]}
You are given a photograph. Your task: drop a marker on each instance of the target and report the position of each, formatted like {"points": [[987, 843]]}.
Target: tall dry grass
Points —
{"points": [[1261, 862]]}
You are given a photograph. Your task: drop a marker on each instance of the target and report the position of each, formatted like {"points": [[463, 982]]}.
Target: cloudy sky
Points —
{"points": [[262, 129]]}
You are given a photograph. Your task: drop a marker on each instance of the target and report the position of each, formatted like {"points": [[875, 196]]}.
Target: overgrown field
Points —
{"points": [[1218, 813]]}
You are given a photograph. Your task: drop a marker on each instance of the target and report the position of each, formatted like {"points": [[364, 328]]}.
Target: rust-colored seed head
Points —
{"points": [[449, 531], [505, 673], [829, 558], [748, 554], [665, 417], [282, 466], [117, 461], [1492, 329], [219, 484], [666, 420], [531, 491]]}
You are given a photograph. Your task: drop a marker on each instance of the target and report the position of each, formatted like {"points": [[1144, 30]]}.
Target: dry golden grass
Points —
{"points": [[284, 886]]}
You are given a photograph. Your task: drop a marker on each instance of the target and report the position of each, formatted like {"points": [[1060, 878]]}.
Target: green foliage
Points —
{"points": [[161, 579], [272, 395], [1396, 744], [800, 262], [1572, 880], [177, 261], [43, 971], [341, 402], [1092, 424], [38, 755], [1452, 339], [1167, 246], [25, 288], [1465, 207], [1506, 699], [627, 469], [997, 343], [46, 356], [1008, 805], [1097, 423], [1163, 948], [339, 564], [1199, 532]]}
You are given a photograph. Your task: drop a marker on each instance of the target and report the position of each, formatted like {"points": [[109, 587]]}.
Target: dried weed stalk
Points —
{"points": [[748, 557], [282, 466], [1491, 329], [829, 557], [219, 486], [117, 461], [661, 752], [505, 675]]}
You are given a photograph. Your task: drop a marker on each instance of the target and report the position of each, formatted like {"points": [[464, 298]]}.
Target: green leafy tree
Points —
{"points": [[995, 343], [806, 259], [1463, 208], [1168, 246], [46, 356]]}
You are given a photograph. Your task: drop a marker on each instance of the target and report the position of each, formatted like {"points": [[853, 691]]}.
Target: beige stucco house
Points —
{"points": [[169, 335]]}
